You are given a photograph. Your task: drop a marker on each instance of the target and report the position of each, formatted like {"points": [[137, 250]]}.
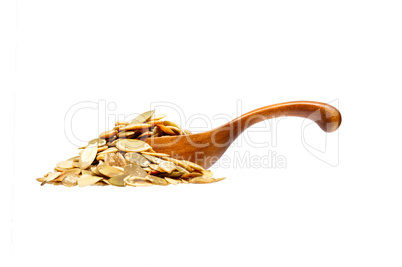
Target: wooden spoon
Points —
{"points": [[207, 147]]}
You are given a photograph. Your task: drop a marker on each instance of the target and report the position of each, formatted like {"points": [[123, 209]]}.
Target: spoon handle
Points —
{"points": [[326, 116]]}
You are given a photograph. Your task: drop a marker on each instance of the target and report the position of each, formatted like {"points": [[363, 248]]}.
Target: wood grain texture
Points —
{"points": [[206, 148]]}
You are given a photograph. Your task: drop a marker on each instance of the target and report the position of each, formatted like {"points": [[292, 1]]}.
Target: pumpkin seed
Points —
{"points": [[76, 164], [51, 177], [204, 180], [102, 148], [118, 180], [108, 134], [152, 158], [172, 181], [124, 134], [207, 173], [88, 155], [135, 126], [115, 159], [194, 165], [94, 169], [134, 157], [66, 164], [106, 181], [137, 181], [110, 171], [70, 180], [176, 130], [121, 123], [174, 174], [87, 179], [181, 169], [167, 166], [191, 175], [113, 143], [145, 135], [156, 167], [87, 172], [132, 145], [97, 141], [166, 129], [169, 123], [143, 117], [156, 117], [156, 180], [75, 171], [155, 154], [179, 163], [135, 170], [109, 150], [101, 183], [173, 126], [75, 159]]}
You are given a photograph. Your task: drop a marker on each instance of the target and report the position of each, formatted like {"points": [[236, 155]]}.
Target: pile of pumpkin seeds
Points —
{"points": [[120, 157]]}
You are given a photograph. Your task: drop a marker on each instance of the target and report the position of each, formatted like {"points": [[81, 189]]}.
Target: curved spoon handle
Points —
{"points": [[326, 116]]}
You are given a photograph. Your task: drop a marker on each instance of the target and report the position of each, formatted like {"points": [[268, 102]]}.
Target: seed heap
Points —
{"points": [[119, 157]]}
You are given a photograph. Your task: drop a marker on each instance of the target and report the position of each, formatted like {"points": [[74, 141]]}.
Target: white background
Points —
{"points": [[205, 57]]}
